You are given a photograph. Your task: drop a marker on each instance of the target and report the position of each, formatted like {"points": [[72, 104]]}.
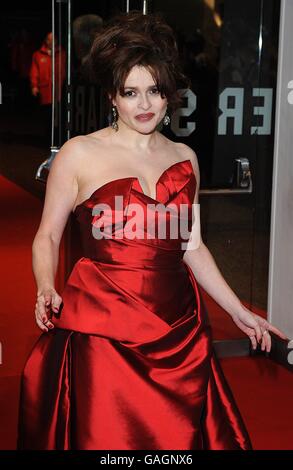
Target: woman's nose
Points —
{"points": [[144, 102]]}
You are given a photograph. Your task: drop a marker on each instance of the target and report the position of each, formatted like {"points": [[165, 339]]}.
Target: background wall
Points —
{"points": [[280, 299]]}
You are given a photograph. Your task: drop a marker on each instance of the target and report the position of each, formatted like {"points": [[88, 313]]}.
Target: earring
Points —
{"points": [[114, 122], [166, 119]]}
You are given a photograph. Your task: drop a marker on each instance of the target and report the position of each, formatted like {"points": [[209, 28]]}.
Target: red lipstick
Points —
{"points": [[144, 117]]}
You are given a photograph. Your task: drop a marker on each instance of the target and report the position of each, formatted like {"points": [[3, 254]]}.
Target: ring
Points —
{"points": [[265, 332]]}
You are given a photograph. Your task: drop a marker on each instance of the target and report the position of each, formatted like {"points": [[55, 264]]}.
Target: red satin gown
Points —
{"points": [[130, 363]]}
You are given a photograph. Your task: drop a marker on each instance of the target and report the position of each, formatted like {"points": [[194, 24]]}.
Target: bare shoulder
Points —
{"points": [[74, 153], [71, 153], [187, 153], [182, 151], [77, 146]]}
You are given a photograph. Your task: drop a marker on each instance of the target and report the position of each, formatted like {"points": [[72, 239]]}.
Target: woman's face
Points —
{"points": [[142, 107]]}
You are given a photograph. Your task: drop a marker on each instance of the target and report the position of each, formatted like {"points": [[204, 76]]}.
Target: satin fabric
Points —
{"points": [[130, 364]]}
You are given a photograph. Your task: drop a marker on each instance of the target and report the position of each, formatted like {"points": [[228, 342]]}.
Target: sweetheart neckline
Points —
{"points": [[138, 181]]}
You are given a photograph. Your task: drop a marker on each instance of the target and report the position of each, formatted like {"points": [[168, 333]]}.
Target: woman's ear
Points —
{"points": [[111, 100]]}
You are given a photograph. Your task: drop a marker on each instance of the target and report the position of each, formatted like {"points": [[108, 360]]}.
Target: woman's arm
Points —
{"points": [[45, 258], [61, 194], [203, 264], [210, 278]]}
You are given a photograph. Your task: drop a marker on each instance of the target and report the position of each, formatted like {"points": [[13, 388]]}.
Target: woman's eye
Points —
{"points": [[128, 93], [153, 91]]}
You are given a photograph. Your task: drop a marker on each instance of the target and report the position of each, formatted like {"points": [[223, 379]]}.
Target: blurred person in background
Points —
{"points": [[41, 77]]}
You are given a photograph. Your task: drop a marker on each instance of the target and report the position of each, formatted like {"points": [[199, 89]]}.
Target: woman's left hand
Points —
{"points": [[256, 328]]}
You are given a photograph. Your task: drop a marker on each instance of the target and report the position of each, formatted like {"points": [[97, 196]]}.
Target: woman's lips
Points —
{"points": [[144, 117]]}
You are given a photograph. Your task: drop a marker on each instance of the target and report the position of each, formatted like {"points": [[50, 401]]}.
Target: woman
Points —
{"points": [[127, 362]]}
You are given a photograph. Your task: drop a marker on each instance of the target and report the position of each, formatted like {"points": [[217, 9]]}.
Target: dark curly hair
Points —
{"points": [[135, 39]]}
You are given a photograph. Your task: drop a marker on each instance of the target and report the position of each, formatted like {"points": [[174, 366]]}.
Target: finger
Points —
{"points": [[268, 326], [55, 307], [253, 342], [249, 331], [48, 300], [259, 326], [56, 302], [41, 312], [45, 321], [49, 324], [41, 325], [263, 342], [268, 340], [275, 330], [258, 333]]}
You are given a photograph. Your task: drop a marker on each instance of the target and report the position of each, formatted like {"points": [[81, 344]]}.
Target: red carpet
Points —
{"points": [[20, 215], [263, 389]]}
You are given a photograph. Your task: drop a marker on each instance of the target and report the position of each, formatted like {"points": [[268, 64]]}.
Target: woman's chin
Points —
{"points": [[146, 127]]}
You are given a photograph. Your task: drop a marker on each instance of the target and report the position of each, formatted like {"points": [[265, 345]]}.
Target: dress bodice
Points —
{"points": [[132, 220]]}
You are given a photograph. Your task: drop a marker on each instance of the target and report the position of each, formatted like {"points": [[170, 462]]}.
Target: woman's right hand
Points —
{"points": [[48, 301]]}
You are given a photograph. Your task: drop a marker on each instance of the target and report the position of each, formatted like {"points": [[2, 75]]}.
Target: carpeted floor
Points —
{"points": [[20, 214]]}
